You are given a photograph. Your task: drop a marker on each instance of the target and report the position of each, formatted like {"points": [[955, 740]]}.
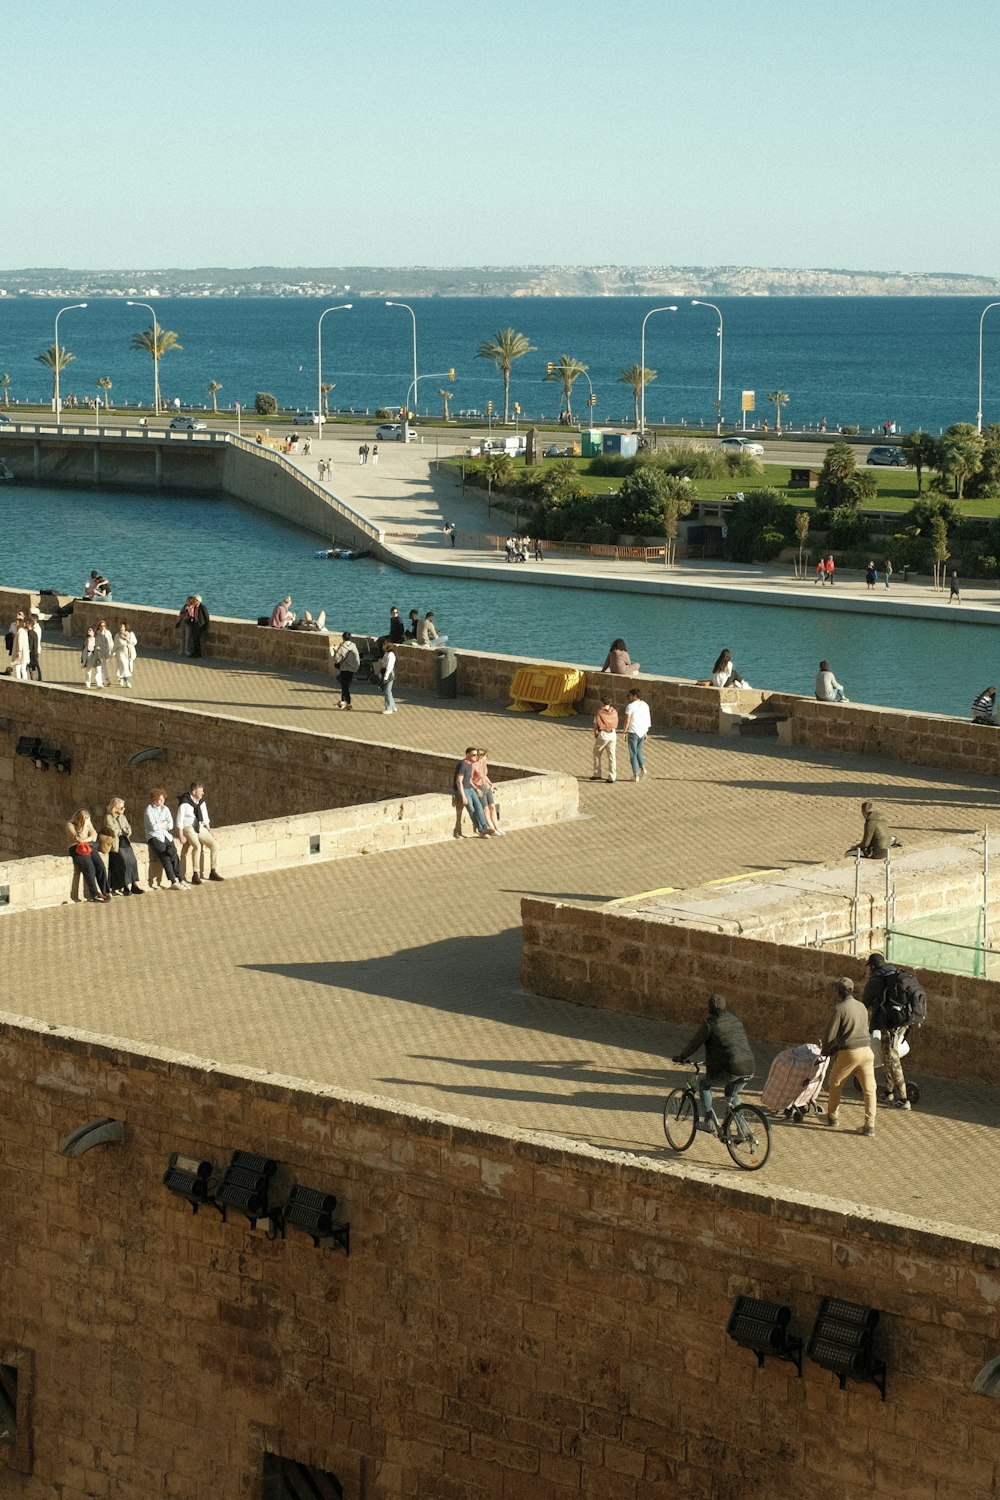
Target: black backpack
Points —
{"points": [[904, 1000]]}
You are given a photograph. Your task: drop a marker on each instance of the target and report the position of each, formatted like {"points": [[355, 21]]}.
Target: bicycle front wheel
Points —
{"points": [[747, 1136], [680, 1119]]}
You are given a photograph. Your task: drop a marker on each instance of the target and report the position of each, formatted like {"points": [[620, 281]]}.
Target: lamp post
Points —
{"points": [[642, 362], [718, 399], [156, 355], [979, 413], [55, 362], [342, 307], [416, 389]]}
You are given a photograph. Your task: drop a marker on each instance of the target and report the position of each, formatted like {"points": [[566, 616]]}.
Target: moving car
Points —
{"points": [[186, 424], [741, 445], [4, 419], [887, 456], [392, 432], [307, 418]]}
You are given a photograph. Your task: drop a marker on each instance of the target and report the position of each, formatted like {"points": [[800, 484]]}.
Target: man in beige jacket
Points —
{"points": [[847, 1040]]}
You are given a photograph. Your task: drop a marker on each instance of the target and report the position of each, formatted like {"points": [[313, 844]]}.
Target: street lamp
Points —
{"points": [[343, 307], [156, 355], [55, 362], [409, 309], [642, 363], [718, 400], [979, 413]]}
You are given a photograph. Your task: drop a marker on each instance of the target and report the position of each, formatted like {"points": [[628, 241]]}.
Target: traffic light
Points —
{"points": [[517, 408], [451, 373], [489, 408], [549, 369], [591, 400]]}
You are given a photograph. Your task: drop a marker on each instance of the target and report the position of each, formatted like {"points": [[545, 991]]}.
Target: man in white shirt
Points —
{"points": [[195, 833], [388, 669], [635, 729]]}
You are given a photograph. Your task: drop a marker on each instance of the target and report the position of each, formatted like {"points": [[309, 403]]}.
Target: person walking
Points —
{"points": [[881, 1000], [829, 569], [387, 667], [887, 571], [20, 651], [105, 645], [90, 659], [34, 647], [605, 729], [347, 660], [397, 630], [192, 622], [375, 453], [194, 830], [123, 654], [729, 1059], [847, 1041], [636, 727], [820, 576], [954, 593]]}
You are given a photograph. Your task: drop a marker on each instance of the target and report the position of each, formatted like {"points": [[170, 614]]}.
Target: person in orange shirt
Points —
{"points": [[829, 570], [605, 730]]}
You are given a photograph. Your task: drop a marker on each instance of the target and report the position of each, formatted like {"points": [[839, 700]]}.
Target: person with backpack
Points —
{"points": [[897, 1002]]}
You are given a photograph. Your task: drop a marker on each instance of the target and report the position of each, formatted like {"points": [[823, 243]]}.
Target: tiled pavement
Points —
{"points": [[397, 976]]}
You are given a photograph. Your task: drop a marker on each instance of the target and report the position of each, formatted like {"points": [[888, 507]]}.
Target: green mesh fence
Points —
{"points": [[954, 942]]}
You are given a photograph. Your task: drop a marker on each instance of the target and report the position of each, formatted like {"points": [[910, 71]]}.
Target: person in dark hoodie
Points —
{"points": [[729, 1060]]}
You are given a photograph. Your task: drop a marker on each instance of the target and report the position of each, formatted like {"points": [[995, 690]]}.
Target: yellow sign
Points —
{"points": [[748, 400]]}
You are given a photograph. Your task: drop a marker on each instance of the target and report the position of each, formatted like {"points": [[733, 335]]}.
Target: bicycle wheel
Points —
{"points": [[680, 1119], [747, 1135]]}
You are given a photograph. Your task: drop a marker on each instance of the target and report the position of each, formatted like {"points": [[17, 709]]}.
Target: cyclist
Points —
{"points": [[729, 1061]]}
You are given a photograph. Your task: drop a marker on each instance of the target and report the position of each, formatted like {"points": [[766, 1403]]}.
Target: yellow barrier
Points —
{"points": [[560, 689]]}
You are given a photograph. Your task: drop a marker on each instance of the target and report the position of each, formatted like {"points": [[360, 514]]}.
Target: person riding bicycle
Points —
{"points": [[729, 1061]]}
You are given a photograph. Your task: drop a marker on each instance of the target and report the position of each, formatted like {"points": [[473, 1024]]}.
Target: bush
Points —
{"points": [[851, 430], [752, 523], [265, 405], [847, 528], [769, 544]]}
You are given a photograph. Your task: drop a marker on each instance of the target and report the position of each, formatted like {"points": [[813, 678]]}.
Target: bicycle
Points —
{"points": [[744, 1129]]}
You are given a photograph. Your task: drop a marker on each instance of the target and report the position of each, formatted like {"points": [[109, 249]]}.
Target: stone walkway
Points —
{"points": [[398, 976]]}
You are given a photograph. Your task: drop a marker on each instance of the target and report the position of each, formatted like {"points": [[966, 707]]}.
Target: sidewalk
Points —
{"points": [[410, 500]]}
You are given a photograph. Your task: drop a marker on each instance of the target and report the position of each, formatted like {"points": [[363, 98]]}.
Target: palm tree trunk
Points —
{"points": [[506, 393], [569, 405], [635, 405]]}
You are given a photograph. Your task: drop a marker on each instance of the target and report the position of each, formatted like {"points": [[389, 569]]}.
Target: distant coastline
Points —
{"points": [[490, 281]]}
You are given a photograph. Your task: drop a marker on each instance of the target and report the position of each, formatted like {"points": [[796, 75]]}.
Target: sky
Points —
{"points": [[628, 132]]}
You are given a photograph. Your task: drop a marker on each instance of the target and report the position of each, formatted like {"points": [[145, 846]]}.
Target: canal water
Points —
{"points": [[157, 550]]}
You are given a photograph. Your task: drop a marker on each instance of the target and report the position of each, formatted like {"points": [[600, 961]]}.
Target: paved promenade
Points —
{"points": [[398, 976], [410, 495]]}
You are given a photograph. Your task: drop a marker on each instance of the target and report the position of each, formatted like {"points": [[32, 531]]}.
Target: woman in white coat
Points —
{"points": [[123, 653], [20, 651]]}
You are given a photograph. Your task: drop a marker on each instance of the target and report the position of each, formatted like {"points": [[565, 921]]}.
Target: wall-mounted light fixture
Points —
{"points": [[244, 1186], [312, 1210], [188, 1177], [763, 1327], [107, 1132], [43, 754], [842, 1340]]}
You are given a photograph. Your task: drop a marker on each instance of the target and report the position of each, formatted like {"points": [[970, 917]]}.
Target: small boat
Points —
{"points": [[345, 554]]}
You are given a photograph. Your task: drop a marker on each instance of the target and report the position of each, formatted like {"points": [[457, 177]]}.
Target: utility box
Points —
{"points": [[626, 444], [591, 443]]}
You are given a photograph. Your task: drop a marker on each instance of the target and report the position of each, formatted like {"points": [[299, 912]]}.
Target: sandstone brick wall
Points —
{"points": [[250, 771], [519, 1319], [782, 993]]}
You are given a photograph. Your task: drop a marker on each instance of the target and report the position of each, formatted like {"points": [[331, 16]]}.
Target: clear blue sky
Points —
{"points": [[788, 133]]}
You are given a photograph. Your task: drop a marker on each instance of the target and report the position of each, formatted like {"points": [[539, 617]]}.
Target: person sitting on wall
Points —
{"points": [[877, 839], [984, 708], [725, 674], [618, 660], [96, 587], [828, 689], [282, 618]]}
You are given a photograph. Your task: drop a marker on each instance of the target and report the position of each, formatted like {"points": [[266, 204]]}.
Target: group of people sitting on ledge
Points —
{"points": [[283, 617], [106, 862]]}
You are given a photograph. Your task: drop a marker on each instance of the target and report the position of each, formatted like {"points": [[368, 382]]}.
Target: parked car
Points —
{"points": [[186, 424], [307, 418], [392, 432], [894, 456], [741, 445]]}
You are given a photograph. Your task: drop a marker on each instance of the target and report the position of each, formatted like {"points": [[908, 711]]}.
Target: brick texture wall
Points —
{"points": [[782, 993], [518, 1318]]}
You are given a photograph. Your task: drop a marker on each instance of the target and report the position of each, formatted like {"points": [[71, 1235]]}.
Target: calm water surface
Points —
{"points": [[157, 550]]}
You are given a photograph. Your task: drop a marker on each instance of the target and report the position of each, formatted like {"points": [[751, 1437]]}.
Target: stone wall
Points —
{"points": [[250, 771], [782, 993], [518, 1318]]}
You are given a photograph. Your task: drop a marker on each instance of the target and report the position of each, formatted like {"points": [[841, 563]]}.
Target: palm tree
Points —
{"points": [[5, 387], [156, 342], [567, 370], [778, 399], [214, 387], [635, 377], [104, 384], [325, 393], [445, 397], [55, 360], [504, 347]]}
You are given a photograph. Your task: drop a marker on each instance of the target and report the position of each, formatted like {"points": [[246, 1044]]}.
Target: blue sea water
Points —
{"points": [[861, 360], [157, 550]]}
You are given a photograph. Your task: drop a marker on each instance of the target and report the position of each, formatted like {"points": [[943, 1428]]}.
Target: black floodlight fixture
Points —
{"points": [[842, 1340], [244, 1185], [763, 1328], [312, 1211], [188, 1177], [27, 745]]}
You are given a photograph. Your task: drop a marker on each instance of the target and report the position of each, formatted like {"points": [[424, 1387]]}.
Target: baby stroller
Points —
{"points": [[369, 654], [794, 1082]]}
